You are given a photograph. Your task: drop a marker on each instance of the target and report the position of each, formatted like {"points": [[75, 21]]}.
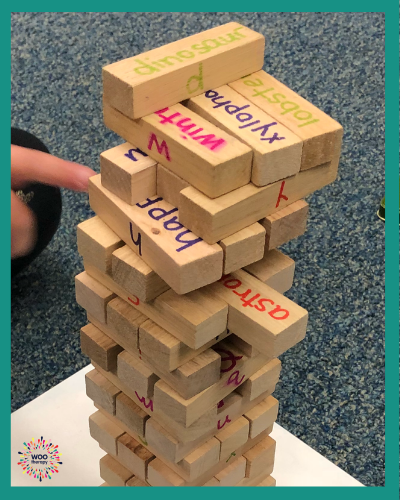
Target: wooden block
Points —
{"points": [[258, 383], [195, 318], [134, 456], [113, 472], [205, 156], [233, 436], [275, 269], [169, 74], [95, 239], [182, 259], [260, 315], [268, 481], [216, 219], [212, 482], [105, 432], [201, 459], [135, 276], [243, 248], [130, 414], [249, 350], [285, 225], [101, 391], [160, 474], [99, 347], [169, 185], [128, 173], [124, 321], [136, 374], [135, 481], [262, 416], [261, 480], [92, 296], [166, 351], [232, 474], [276, 150], [321, 135], [105, 484], [260, 458]]}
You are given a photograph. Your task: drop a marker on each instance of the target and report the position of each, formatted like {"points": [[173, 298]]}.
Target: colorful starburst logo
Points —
{"points": [[40, 460]]}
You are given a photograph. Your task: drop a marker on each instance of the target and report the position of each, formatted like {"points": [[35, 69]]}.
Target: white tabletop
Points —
{"points": [[62, 414]]}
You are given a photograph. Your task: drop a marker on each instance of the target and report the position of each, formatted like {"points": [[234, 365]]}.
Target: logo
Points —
{"points": [[40, 460]]}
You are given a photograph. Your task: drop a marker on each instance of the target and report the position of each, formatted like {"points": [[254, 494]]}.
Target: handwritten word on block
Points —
{"points": [[260, 315], [129, 173], [321, 135], [277, 150], [152, 229], [216, 219], [139, 85], [193, 148]]}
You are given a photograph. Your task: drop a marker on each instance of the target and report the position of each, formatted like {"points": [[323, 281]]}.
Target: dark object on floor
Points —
{"points": [[44, 201]]}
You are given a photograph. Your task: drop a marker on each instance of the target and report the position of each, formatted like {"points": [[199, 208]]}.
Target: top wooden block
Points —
{"points": [[161, 77], [321, 134]]}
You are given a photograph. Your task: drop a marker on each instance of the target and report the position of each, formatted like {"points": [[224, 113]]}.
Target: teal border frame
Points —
{"points": [[390, 490]]}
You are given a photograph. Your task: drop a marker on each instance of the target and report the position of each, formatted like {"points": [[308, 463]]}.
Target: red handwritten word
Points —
{"points": [[221, 404], [136, 302], [277, 313], [210, 141], [229, 357], [143, 401], [280, 196], [161, 148], [227, 421], [234, 378]]}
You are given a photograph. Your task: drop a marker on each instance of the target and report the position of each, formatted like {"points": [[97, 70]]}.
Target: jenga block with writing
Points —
{"points": [[152, 229], [258, 383], [130, 414], [97, 241], [135, 276], [243, 248], [232, 474], [275, 269], [135, 481], [166, 351], [195, 318], [203, 155], [134, 456], [160, 474], [201, 459], [124, 321], [99, 347], [276, 150], [233, 436], [216, 219], [169, 74], [321, 135], [114, 473], [101, 391], [260, 315], [105, 432], [169, 185], [128, 173], [136, 374], [285, 225], [92, 296], [262, 416], [260, 458]]}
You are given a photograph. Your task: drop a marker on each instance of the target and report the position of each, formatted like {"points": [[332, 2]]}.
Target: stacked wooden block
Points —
{"points": [[183, 283]]}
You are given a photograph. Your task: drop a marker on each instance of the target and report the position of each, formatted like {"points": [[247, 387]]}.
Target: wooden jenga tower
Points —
{"points": [[183, 282]]}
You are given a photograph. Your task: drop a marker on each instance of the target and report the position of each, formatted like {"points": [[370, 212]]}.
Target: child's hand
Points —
{"points": [[31, 166]]}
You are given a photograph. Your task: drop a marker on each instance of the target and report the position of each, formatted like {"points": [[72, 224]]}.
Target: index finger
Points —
{"points": [[30, 165]]}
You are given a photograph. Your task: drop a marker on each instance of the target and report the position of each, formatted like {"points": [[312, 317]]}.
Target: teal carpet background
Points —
{"points": [[332, 389]]}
